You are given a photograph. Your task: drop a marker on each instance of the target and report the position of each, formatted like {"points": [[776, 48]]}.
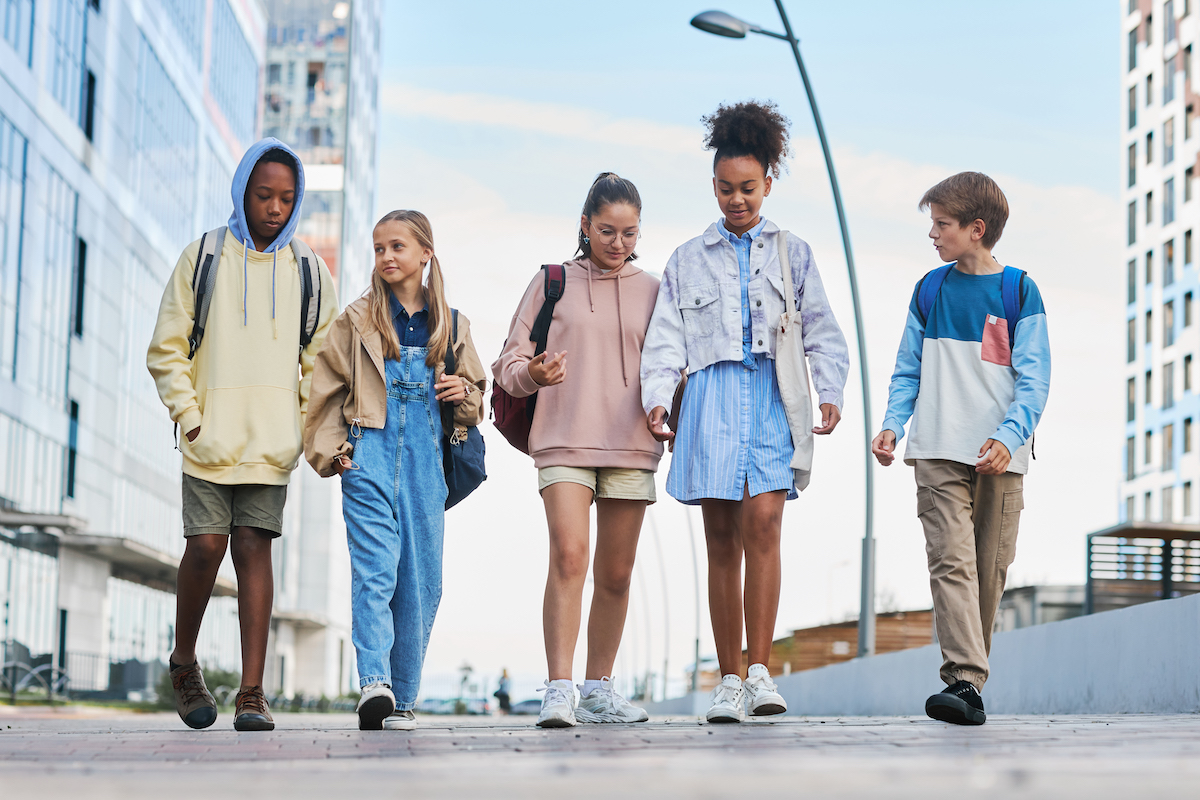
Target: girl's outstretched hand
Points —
{"points": [[830, 417], [548, 371], [452, 389]]}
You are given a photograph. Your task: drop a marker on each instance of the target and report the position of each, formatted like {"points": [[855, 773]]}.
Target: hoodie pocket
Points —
{"points": [[249, 425]]}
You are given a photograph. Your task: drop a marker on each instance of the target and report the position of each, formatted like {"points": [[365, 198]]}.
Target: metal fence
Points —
{"points": [[1127, 570]]}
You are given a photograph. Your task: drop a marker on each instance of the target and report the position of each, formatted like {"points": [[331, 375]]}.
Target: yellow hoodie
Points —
{"points": [[247, 386]]}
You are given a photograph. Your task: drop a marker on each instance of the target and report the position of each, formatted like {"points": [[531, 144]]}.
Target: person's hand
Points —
{"points": [[341, 464], [452, 389], [993, 458], [548, 371], [830, 417], [193, 433], [656, 422], [883, 447]]}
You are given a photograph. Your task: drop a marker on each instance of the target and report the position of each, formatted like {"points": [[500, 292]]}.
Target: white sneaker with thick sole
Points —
{"points": [[376, 703], [401, 721], [762, 696], [728, 702], [606, 705], [558, 707]]}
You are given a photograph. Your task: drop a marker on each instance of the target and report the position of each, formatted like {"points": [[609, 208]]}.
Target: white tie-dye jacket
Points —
{"points": [[697, 318]]}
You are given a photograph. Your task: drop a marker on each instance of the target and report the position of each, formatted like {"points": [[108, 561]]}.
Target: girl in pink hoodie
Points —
{"points": [[590, 443]]}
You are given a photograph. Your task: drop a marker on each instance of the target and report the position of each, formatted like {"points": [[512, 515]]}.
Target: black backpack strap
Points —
{"points": [[556, 285], [204, 278], [310, 290], [451, 359]]}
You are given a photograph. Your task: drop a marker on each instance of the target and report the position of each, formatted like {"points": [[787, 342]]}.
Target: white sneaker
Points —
{"points": [[376, 703], [605, 705], [558, 707], [728, 701], [762, 696], [401, 721]]}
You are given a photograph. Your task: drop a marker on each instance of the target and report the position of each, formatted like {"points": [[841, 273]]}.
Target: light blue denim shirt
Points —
{"points": [[698, 316]]}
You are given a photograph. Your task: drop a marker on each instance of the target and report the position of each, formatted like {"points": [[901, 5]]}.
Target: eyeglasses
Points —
{"points": [[607, 236]]}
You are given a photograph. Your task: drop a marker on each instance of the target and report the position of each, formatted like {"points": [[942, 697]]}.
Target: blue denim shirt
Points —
{"points": [[702, 304], [741, 245], [412, 331]]}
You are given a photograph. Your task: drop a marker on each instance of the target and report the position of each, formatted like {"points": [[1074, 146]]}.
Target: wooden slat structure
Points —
{"points": [[1137, 562]]}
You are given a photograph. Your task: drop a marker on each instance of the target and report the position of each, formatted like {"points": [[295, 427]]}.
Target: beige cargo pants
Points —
{"points": [[970, 523]]}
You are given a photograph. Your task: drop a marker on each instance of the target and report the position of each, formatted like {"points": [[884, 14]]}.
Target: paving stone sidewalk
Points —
{"points": [[94, 753]]}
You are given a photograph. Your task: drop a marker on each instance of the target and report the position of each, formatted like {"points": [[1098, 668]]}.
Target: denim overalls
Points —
{"points": [[394, 507]]}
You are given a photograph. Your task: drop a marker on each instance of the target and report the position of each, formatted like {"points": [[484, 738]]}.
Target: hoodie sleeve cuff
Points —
{"points": [[525, 381], [1010, 440], [190, 420]]}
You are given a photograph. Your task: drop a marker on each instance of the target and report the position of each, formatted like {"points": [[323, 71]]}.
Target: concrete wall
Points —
{"points": [[1144, 659]]}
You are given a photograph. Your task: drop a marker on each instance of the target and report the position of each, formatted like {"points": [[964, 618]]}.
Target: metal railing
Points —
{"points": [[1123, 571]]}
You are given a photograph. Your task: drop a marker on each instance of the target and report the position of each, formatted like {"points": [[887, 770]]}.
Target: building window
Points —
{"points": [[67, 31], [1131, 400], [1131, 293], [188, 16], [1149, 207], [1188, 174], [1149, 327], [1150, 147], [1148, 27], [1132, 107], [1168, 503], [1187, 373], [1131, 344], [1133, 50], [17, 26], [1168, 448], [1149, 386], [233, 76], [12, 193], [1130, 458], [1131, 236], [1169, 141], [1133, 164], [79, 282], [1150, 88], [1130, 503], [1169, 80], [1187, 122], [1146, 505], [274, 73], [1168, 201], [1149, 267], [1168, 385], [1148, 454], [1169, 22], [1187, 499], [1187, 435], [1187, 64], [1169, 262], [1168, 323], [72, 442], [1187, 310]]}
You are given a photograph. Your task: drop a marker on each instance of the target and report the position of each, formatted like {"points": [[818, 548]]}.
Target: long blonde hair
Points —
{"points": [[435, 294]]}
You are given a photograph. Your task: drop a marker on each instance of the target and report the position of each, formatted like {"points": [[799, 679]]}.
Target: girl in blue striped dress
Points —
{"points": [[716, 318]]}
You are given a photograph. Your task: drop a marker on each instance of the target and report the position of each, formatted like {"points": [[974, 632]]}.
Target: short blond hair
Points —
{"points": [[969, 196]]}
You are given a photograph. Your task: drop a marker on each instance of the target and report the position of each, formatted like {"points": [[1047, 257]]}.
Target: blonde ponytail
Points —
{"points": [[435, 294]]}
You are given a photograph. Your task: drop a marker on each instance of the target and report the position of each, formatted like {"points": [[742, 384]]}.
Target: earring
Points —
{"points": [[587, 240]]}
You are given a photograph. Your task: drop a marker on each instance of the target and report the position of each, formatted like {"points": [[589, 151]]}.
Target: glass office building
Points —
{"points": [[1160, 153], [121, 122]]}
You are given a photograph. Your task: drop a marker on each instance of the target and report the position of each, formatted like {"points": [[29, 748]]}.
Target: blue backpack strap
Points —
{"points": [[927, 290], [1010, 292]]}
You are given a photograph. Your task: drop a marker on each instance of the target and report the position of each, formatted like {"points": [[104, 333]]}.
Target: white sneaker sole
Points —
{"points": [[373, 711], [556, 722], [722, 716], [768, 707], [583, 715]]}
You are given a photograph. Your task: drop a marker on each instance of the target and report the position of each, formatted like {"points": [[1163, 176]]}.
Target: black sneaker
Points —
{"points": [[959, 704]]}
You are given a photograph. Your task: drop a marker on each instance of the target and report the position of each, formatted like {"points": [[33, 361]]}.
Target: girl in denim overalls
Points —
{"points": [[374, 419], [718, 306]]}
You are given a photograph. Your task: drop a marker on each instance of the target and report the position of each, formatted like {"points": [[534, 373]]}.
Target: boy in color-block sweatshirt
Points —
{"points": [[973, 373], [239, 401]]}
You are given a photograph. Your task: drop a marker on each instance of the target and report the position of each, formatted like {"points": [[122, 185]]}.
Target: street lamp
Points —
{"points": [[722, 24]]}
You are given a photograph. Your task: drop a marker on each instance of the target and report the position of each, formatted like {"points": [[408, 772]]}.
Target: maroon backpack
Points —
{"points": [[513, 416]]}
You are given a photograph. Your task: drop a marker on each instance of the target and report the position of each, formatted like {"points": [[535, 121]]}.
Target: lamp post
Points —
{"points": [[722, 24]]}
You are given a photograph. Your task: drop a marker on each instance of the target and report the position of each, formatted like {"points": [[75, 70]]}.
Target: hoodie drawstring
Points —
{"points": [[274, 324], [245, 255], [591, 302], [621, 326]]}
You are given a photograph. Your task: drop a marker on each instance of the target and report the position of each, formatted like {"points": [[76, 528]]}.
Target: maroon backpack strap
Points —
{"points": [[556, 285]]}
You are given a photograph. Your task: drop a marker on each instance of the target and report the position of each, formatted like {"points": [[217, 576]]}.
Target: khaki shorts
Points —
{"points": [[606, 483], [217, 508]]}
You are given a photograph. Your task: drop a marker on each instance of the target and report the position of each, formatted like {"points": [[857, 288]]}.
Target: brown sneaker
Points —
{"points": [[252, 712], [195, 705]]}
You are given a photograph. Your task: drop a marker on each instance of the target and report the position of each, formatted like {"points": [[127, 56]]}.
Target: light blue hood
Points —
{"points": [[237, 221]]}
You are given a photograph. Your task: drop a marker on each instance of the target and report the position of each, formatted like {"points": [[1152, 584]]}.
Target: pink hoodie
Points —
{"points": [[594, 418]]}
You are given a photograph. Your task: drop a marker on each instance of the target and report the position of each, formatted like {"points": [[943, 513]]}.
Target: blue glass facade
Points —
{"points": [[233, 74], [16, 25]]}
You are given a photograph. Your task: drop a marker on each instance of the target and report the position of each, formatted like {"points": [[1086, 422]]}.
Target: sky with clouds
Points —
{"points": [[496, 118]]}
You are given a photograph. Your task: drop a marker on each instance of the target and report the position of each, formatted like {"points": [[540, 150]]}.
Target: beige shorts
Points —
{"points": [[606, 483], [219, 508]]}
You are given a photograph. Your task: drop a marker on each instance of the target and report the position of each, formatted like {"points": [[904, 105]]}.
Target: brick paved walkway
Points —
{"points": [[103, 754]]}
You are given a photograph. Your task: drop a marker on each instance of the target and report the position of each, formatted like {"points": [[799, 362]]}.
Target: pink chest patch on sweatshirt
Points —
{"points": [[995, 341]]}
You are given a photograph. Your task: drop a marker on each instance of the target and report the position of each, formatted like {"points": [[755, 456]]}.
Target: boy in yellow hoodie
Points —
{"points": [[239, 399]]}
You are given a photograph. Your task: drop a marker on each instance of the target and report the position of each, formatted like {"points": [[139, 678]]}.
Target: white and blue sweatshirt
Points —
{"points": [[958, 372]]}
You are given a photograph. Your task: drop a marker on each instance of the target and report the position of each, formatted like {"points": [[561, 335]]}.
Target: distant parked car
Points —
{"points": [[526, 707]]}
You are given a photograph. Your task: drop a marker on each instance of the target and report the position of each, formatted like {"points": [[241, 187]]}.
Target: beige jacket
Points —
{"points": [[348, 385]]}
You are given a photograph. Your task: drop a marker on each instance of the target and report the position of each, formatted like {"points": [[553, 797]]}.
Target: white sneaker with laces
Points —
{"points": [[728, 701], [558, 706], [762, 696], [606, 705], [401, 721], [376, 703]]}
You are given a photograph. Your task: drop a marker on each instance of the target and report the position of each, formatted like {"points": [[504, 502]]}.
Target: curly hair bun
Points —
{"points": [[750, 128]]}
